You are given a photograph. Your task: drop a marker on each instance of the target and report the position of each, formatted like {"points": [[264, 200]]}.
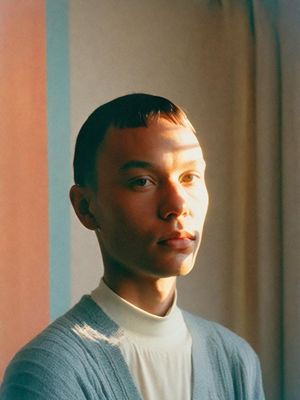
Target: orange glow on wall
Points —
{"points": [[24, 254]]}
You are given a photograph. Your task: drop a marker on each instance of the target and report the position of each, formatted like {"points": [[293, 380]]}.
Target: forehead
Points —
{"points": [[161, 139]]}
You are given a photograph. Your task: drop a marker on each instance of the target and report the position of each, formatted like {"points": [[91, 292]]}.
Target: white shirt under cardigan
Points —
{"points": [[156, 349]]}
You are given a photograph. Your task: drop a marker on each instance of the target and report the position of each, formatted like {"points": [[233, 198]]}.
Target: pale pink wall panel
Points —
{"points": [[24, 255]]}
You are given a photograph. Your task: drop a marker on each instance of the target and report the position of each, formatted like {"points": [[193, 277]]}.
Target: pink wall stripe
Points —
{"points": [[24, 254]]}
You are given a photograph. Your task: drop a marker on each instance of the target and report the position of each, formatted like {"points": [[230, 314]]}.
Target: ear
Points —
{"points": [[81, 198]]}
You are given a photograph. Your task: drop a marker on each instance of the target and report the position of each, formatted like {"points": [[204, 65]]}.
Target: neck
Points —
{"points": [[154, 295]]}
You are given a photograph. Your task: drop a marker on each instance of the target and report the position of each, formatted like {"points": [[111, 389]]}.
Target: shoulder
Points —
{"points": [[67, 337], [54, 364], [217, 336], [228, 355]]}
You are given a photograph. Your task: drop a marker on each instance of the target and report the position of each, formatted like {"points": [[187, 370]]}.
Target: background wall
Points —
{"points": [[233, 66], [24, 238], [178, 52]]}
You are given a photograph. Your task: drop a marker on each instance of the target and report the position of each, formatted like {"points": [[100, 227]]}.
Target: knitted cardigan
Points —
{"points": [[77, 357]]}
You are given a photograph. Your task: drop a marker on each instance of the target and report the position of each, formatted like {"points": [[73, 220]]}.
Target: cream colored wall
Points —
{"points": [[175, 49]]}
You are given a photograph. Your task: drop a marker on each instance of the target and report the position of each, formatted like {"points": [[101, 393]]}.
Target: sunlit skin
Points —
{"points": [[148, 209]]}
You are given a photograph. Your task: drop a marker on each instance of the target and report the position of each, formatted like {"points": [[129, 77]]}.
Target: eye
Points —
{"points": [[191, 178], [140, 183]]}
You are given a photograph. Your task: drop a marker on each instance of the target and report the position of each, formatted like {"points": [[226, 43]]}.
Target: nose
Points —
{"points": [[173, 201]]}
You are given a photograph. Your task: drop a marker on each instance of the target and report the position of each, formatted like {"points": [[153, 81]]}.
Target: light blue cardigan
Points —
{"points": [[77, 358]]}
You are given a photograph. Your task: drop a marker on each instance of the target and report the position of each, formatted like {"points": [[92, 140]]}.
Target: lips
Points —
{"points": [[178, 240]]}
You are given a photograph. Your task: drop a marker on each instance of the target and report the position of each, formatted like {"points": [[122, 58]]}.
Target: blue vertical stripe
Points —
{"points": [[58, 154]]}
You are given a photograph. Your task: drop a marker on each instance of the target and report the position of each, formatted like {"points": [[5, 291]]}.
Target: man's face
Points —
{"points": [[151, 199]]}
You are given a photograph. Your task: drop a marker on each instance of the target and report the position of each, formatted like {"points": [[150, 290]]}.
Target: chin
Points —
{"points": [[180, 267], [180, 270], [185, 266], [185, 270]]}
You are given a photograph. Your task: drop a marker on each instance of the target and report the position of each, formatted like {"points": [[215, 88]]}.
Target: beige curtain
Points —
{"points": [[290, 140], [258, 225], [265, 185]]}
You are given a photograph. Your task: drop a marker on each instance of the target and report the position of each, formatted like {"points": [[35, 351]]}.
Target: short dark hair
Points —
{"points": [[129, 111]]}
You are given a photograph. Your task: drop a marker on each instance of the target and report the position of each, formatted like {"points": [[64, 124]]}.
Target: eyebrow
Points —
{"points": [[135, 164], [147, 165]]}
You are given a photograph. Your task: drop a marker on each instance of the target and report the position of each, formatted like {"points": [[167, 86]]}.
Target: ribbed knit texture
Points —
{"points": [[77, 358], [155, 347]]}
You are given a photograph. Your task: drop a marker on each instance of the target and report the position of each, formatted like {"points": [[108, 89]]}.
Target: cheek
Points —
{"points": [[205, 202], [124, 220], [200, 205], [136, 208]]}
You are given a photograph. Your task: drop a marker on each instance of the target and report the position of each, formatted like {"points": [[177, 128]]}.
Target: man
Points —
{"points": [[139, 184]]}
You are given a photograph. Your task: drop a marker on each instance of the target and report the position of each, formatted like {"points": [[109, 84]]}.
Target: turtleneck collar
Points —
{"points": [[136, 321]]}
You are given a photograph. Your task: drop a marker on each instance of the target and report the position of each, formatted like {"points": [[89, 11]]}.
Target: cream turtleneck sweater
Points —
{"points": [[156, 349]]}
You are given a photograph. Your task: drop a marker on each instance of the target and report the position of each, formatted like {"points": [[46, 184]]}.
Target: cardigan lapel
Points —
{"points": [[203, 385], [107, 334]]}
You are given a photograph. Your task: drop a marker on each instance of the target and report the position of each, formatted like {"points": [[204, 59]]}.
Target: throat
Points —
{"points": [[154, 296]]}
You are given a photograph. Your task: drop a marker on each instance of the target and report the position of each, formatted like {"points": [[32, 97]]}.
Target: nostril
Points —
{"points": [[169, 213], [173, 201]]}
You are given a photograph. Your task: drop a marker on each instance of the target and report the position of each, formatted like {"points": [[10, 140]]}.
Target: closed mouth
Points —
{"points": [[178, 240], [178, 236]]}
